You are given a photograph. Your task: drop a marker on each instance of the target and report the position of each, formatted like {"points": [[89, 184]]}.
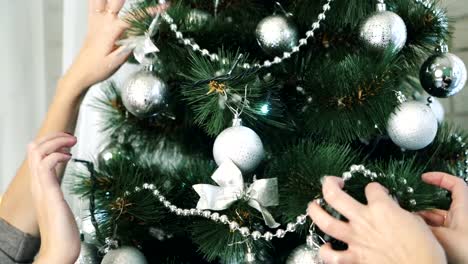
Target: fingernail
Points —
{"points": [[322, 179]]}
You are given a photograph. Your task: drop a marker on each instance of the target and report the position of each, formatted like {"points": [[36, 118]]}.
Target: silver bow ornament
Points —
{"points": [[260, 194], [142, 45]]}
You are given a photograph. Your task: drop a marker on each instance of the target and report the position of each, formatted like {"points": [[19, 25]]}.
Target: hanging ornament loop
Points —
{"points": [[280, 8]]}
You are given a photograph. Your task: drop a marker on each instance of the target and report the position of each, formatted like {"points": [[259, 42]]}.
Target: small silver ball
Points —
{"points": [[206, 214], [233, 226], [268, 236], [443, 75], [383, 30], [215, 217], [256, 235], [145, 94], [280, 233], [224, 219], [241, 145], [301, 219], [291, 227], [412, 126], [276, 34], [124, 255], [244, 231]]}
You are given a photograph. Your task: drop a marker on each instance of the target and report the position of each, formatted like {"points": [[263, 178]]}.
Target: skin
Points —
{"points": [[96, 61], [450, 226], [379, 232], [52, 211]]}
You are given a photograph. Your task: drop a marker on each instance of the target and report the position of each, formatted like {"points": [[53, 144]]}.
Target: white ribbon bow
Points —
{"points": [[260, 194], [142, 45]]}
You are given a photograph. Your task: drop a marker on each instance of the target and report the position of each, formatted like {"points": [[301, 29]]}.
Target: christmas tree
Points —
{"points": [[217, 145]]}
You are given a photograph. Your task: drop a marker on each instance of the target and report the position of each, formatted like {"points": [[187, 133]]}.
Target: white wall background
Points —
{"points": [[40, 37]]}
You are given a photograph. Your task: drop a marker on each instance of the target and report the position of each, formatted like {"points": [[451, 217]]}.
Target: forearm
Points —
{"points": [[16, 207]]}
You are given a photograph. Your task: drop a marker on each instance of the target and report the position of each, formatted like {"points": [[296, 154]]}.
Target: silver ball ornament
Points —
{"points": [[443, 75], [145, 94], [241, 145], [88, 254], [412, 126], [124, 255], [304, 254], [196, 19], [436, 106], [277, 34], [112, 152], [382, 30]]}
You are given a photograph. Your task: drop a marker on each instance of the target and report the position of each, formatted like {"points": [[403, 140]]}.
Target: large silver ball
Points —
{"points": [[88, 254], [241, 145], [277, 34], [412, 126], [304, 255], [443, 75], [383, 30], [124, 255], [145, 94]]}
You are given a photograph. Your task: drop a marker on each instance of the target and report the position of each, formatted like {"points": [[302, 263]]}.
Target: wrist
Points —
{"points": [[69, 90]]}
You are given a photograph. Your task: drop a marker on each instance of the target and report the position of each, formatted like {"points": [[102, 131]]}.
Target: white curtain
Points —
{"points": [[25, 80]]}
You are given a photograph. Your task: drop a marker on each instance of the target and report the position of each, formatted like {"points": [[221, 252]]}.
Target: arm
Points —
{"points": [[97, 60]]}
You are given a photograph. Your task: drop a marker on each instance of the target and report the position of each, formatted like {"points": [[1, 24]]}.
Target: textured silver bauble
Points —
{"points": [[145, 94], [196, 19], [88, 254], [241, 145], [277, 34], [304, 255], [443, 75], [124, 255], [412, 126], [384, 30]]}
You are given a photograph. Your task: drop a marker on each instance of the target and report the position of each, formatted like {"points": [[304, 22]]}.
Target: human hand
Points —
{"points": [[450, 227], [99, 57], [60, 241], [379, 232]]}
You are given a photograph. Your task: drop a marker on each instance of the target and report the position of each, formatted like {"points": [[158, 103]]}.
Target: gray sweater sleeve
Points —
{"points": [[16, 246]]}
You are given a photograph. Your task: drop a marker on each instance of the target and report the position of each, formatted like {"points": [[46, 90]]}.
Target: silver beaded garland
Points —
{"points": [[124, 255], [412, 126], [277, 34], [383, 30], [145, 94], [443, 74], [241, 145]]}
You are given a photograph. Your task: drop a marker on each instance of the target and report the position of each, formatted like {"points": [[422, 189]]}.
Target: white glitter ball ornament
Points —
{"points": [[241, 145], [124, 255], [412, 126], [383, 30], [277, 34]]}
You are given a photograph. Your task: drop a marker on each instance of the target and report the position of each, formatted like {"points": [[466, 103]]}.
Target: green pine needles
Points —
{"points": [[318, 113]]}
